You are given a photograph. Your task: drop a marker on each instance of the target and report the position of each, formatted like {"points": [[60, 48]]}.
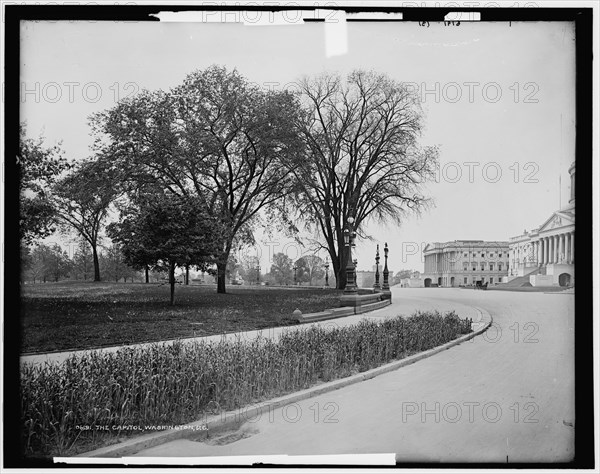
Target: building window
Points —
{"points": [[500, 254], [491, 267], [466, 254], [482, 266], [474, 265], [491, 280], [483, 254], [466, 278], [499, 267]]}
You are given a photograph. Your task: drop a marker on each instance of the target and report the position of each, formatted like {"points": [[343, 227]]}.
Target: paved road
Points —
{"points": [[507, 395]]}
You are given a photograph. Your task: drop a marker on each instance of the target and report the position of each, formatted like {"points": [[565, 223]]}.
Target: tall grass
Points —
{"points": [[167, 384]]}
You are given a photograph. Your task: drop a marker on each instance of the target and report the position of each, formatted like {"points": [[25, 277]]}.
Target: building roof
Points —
{"points": [[465, 244]]}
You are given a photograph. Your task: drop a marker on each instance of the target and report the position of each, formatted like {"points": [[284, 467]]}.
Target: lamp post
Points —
{"points": [[295, 279], [258, 275], [349, 242], [377, 286], [326, 271], [386, 285]]}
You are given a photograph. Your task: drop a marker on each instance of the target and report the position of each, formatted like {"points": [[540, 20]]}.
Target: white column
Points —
{"points": [[573, 247], [558, 248]]}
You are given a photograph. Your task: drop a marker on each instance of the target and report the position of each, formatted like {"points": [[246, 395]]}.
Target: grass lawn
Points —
{"points": [[77, 315]]}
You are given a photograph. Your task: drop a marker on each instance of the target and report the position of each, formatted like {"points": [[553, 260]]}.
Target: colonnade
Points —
{"points": [[559, 248]]}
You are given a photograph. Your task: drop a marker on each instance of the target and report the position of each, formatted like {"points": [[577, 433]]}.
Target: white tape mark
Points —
{"points": [[336, 33]]}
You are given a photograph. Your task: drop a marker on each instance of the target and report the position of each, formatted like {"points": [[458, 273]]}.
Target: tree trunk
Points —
{"points": [[96, 263], [187, 274], [147, 276], [341, 279], [172, 281], [221, 268], [339, 269]]}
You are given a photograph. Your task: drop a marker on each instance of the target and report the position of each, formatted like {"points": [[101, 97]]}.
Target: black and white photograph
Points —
{"points": [[299, 235]]}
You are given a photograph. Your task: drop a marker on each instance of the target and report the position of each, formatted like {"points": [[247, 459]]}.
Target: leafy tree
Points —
{"points": [[362, 157], [37, 270], [114, 266], [49, 263], [249, 269], [233, 267], [281, 269], [310, 268], [25, 261], [83, 262], [59, 264], [166, 232], [216, 137], [38, 168], [83, 198]]}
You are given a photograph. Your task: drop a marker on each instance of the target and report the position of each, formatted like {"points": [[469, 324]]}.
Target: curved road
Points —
{"points": [[505, 396]]}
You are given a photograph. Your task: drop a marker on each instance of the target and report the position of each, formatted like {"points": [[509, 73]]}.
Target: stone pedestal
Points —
{"points": [[357, 300]]}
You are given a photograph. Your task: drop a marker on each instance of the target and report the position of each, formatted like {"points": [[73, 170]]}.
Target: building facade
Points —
{"points": [[414, 281], [547, 254], [465, 262], [366, 279]]}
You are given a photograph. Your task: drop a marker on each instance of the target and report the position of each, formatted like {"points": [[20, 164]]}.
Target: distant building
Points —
{"points": [[366, 279], [414, 281], [547, 254], [465, 262]]}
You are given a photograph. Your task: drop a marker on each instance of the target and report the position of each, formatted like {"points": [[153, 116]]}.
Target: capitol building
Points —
{"points": [[546, 254]]}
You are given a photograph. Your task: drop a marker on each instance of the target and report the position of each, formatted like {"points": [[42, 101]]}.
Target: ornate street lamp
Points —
{"points": [[295, 279], [349, 242], [386, 273], [326, 271], [377, 286]]}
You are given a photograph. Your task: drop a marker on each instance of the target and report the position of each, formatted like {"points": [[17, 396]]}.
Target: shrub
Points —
{"points": [[167, 384]]}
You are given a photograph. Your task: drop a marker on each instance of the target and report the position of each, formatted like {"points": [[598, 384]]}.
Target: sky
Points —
{"points": [[499, 101]]}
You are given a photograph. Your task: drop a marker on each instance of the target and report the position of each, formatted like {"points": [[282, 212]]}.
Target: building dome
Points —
{"points": [[572, 173]]}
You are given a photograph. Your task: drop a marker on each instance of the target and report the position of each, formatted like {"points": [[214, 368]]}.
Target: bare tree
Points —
{"points": [[362, 156]]}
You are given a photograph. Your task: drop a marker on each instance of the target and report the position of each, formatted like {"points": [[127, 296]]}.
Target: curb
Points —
{"points": [[307, 318], [234, 419], [342, 312]]}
